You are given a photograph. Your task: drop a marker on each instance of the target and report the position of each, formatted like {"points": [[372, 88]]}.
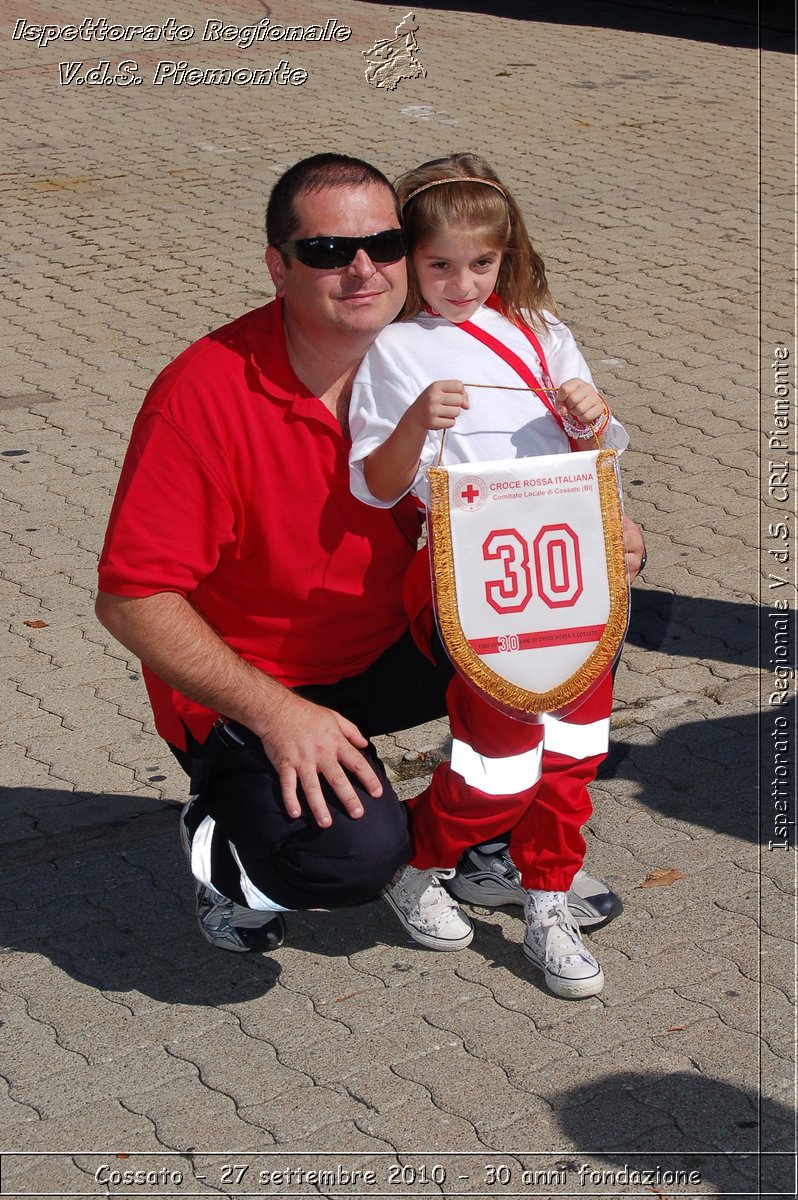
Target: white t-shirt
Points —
{"points": [[408, 356]]}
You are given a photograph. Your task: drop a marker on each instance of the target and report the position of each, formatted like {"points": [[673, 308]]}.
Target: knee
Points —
{"points": [[347, 863], [379, 846]]}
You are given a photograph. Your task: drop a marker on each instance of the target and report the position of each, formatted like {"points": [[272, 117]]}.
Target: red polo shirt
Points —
{"points": [[235, 494]]}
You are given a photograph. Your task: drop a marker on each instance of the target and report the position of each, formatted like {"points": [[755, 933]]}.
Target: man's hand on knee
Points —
{"points": [[304, 742], [301, 739]]}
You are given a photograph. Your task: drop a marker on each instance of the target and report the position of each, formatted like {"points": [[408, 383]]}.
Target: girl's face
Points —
{"points": [[456, 272]]}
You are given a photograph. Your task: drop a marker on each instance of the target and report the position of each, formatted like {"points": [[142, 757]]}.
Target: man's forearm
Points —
{"points": [[302, 740], [175, 642]]}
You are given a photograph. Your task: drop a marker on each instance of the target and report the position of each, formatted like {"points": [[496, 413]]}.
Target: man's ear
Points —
{"points": [[275, 264]]}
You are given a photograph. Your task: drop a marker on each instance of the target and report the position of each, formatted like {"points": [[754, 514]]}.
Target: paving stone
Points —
{"points": [[13, 1112], [34, 1047], [300, 1025], [64, 1007], [342, 1061], [302, 1111], [382, 1089], [120, 1128], [370, 1150], [442, 1130], [43, 1174], [374, 1009], [27, 931], [185, 1114], [74, 1084], [399, 965], [475, 1075], [244, 1068], [174, 1026], [508, 1039], [645, 968]]}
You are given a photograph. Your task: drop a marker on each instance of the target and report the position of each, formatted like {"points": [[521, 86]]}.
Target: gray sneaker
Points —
{"points": [[227, 925], [230, 926], [591, 903], [488, 876]]}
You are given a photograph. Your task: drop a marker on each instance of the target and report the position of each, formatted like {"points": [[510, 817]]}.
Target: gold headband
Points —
{"points": [[454, 179]]}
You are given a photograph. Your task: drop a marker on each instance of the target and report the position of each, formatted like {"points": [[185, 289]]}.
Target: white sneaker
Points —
{"points": [[427, 912], [553, 943]]}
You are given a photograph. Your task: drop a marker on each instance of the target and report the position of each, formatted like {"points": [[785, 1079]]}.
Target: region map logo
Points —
{"points": [[392, 59]]}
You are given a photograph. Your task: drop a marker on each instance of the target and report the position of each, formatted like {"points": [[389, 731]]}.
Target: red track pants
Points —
{"points": [[507, 774]]}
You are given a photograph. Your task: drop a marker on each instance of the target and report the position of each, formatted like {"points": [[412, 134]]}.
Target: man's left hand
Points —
{"points": [[633, 547]]}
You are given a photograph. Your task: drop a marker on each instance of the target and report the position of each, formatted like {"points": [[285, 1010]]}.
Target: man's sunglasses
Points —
{"points": [[330, 253]]}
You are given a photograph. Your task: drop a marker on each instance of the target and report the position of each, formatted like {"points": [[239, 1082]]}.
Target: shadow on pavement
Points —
{"points": [[703, 772], [737, 1140], [694, 627], [111, 904], [722, 22]]}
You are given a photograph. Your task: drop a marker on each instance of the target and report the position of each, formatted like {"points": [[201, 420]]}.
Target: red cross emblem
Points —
{"points": [[471, 493]]}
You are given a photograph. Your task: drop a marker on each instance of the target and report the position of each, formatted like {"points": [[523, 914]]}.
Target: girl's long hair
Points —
{"points": [[522, 287]]}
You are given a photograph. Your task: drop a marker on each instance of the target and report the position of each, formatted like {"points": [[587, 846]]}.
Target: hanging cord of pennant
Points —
{"points": [[548, 395]]}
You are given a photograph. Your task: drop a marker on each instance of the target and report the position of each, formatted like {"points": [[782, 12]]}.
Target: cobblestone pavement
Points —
{"points": [[133, 219]]}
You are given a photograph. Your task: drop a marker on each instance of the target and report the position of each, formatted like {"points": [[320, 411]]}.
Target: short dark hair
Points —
{"points": [[315, 174]]}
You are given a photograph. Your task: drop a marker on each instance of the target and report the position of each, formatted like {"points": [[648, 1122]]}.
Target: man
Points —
{"points": [[248, 580]]}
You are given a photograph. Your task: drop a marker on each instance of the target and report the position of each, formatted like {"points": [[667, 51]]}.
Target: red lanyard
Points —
{"points": [[521, 368]]}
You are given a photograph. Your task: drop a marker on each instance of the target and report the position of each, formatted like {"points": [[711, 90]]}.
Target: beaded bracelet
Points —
{"points": [[575, 429]]}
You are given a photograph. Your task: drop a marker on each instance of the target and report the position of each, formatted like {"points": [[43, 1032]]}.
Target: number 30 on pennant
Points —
{"points": [[557, 563]]}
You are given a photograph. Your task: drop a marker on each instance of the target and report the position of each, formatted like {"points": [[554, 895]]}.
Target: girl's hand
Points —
{"points": [[439, 405], [391, 466], [579, 400]]}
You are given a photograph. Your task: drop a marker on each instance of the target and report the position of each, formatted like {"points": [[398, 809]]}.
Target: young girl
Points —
{"points": [[480, 310]]}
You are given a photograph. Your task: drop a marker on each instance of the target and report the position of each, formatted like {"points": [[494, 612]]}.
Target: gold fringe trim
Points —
{"points": [[465, 657]]}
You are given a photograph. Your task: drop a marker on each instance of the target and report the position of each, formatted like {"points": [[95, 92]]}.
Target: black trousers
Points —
{"points": [[249, 838]]}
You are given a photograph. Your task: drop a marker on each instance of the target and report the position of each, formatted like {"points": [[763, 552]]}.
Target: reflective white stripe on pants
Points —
{"points": [[201, 869], [254, 897], [576, 741], [201, 851], [497, 776]]}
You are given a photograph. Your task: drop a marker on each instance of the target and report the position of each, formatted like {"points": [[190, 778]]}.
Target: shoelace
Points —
{"points": [[438, 901], [563, 944]]}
